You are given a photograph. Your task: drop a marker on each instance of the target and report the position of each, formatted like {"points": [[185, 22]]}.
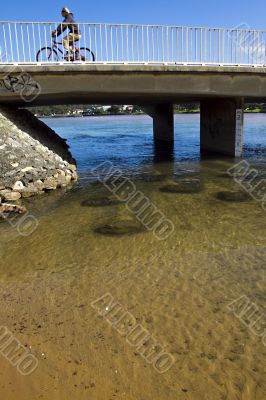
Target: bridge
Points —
{"points": [[150, 66]]}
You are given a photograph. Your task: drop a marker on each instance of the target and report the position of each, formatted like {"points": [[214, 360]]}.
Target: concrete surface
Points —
{"points": [[221, 126], [131, 84]]}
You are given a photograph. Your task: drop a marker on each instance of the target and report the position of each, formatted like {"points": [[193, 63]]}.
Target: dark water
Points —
{"points": [[178, 289]]}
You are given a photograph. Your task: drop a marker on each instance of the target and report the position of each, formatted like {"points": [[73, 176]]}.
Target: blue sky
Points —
{"points": [[225, 13]]}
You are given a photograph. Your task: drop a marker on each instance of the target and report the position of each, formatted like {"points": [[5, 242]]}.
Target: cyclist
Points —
{"points": [[73, 35]]}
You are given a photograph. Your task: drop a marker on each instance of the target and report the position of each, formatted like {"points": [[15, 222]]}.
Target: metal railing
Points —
{"points": [[143, 44]]}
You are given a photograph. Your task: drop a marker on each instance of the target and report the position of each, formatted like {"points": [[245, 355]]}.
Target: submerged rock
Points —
{"points": [[9, 210], [100, 201], [234, 196], [120, 228], [235, 176], [183, 186], [154, 178]]}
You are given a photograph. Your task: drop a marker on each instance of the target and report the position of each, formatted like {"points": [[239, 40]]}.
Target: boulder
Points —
{"points": [[50, 183], [72, 167], [60, 172], [8, 195], [68, 179], [18, 186], [39, 185], [61, 181]]}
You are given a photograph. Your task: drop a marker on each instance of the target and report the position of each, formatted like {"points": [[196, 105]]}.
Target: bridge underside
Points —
{"points": [[220, 90]]}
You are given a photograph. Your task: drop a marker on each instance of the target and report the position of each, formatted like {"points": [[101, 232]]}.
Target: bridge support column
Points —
{"points": [[163, 122], [221, 126]]}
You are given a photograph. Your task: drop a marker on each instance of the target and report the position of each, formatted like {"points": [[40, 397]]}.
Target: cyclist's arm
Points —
{"points": [[61, 28]]}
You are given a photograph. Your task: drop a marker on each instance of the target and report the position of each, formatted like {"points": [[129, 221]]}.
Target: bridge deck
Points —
{"points": [[129, 67], [128, 84]]}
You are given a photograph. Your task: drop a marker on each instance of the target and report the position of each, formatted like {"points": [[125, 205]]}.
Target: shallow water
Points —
{"points": [[178, 289]]}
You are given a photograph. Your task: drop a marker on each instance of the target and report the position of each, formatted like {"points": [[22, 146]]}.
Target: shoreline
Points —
{"points": [[123, 115], [107, 115]]}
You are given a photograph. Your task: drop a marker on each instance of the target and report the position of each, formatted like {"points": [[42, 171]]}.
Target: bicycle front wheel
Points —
{"points": [[47, 54], [86, 54]]}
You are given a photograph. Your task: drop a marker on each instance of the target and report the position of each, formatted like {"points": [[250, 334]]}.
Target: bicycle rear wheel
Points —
{"points": [[47, 54], [86, 54]]}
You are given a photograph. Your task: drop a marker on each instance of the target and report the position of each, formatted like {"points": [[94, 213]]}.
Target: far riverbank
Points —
{"points": [[125, 114]]}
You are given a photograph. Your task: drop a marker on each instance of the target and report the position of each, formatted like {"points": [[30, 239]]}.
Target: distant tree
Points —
{"points": [[114, 110], [263, 107], [98, 111], [136, 110], [190, 106], [253, 107]]}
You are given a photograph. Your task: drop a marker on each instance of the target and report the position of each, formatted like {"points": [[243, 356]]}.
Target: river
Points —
{"points": [[87, 245]]}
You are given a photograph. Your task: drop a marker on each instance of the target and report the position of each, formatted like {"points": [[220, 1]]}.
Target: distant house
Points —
{"points": [[77, 112], [129, 109]]}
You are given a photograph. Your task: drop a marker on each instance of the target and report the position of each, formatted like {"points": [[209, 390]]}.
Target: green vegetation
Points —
{"points": [[255, 108], [187, 108]]}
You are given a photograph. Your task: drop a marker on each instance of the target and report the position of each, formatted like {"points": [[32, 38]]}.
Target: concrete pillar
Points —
{"points": [[163, 121], [221, 126]]}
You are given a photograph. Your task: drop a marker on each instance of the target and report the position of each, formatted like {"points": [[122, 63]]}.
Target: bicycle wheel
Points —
{"points": [[47, 54], [86, 54]]}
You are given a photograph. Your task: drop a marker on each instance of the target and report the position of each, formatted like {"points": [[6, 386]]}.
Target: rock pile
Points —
{"points": [[33, 158]]}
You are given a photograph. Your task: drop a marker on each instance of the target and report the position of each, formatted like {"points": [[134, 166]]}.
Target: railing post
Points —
{"points": [[187, 43], [116, 42], [11, 45], [122, 42], [177, 45], [101, 42], [16, 36], [95, 41], [137, 40], [132, 44]]}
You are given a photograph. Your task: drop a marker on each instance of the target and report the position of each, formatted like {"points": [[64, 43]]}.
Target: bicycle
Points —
{"points": [[52, 53]]}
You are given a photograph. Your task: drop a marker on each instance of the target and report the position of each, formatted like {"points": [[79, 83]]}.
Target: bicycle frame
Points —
{"points": [[57, 48]]}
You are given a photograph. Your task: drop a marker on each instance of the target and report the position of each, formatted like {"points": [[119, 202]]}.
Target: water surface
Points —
{"points": [[178, 289]]}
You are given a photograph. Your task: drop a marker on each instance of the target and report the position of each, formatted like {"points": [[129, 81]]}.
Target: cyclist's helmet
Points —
{"points": [[65, 10]]}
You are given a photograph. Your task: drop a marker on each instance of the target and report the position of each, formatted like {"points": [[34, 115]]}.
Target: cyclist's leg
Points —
{"points": [[76, 37], [67, 43], [76, 45]]}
